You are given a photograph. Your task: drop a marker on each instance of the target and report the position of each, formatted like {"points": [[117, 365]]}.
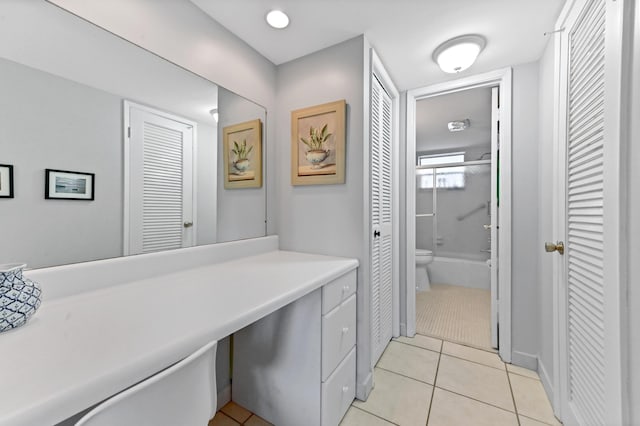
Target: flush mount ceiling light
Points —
{"points": [[277, 19], [458, 126], [459, 53]]}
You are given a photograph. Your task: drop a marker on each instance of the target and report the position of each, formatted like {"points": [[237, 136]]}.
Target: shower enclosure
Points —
{"points": [[453, 205]]}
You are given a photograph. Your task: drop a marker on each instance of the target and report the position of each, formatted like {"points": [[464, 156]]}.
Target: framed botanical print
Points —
{"points": [[318, 144], [243, 155]]}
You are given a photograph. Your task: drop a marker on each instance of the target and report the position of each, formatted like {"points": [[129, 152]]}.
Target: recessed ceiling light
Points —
{"points": [[459, 53], [277, 19]]}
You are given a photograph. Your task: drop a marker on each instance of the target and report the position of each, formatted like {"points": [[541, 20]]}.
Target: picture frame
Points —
{"points": [[242, 154], [6, 181], [68, 185], [318, 144]]}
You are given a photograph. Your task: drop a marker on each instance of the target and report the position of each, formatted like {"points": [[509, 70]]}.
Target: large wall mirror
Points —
{"points": [[132, 145]]}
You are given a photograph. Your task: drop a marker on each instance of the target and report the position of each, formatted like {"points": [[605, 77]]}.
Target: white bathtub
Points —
{"points": [[462, 272]]}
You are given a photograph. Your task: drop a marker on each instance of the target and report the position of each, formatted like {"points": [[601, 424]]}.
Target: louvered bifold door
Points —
{"points": [[381, 219], [161, 216], [586, 287]]}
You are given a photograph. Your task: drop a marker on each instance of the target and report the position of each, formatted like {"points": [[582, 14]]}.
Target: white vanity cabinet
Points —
{"points": [[297, 366]]}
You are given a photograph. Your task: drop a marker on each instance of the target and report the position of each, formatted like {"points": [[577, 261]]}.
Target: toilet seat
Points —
{"points": [[422, 252]]}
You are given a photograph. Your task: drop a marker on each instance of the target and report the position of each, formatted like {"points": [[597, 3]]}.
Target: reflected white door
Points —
{"points": [[588, 214], [381, 220], [495, 216], [160, 201]]}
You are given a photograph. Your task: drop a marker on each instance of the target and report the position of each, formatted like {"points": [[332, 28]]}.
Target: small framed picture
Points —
{"points": [[318, 144], [66, 185], [243, 155], [6, 181]]}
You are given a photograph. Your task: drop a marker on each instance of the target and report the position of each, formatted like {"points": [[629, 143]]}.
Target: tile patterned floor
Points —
{"points": [[233, 414], [427, 381], [455, 313]]}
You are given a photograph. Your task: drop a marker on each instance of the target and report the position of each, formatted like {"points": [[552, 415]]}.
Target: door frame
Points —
{"points": [[377, 69], [364, 371], [618, 42], [126, 111], [503, 79]]}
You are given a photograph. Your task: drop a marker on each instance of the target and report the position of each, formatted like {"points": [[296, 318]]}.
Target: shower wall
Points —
{"points": [[461, 214]]}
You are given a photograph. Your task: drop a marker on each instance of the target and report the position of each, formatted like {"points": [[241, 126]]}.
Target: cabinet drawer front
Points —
{"points": [[339, 391], [338, 335], [338, 290]]}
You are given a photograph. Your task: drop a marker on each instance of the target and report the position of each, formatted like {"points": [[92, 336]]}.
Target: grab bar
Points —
{"points": [[477, 209]]}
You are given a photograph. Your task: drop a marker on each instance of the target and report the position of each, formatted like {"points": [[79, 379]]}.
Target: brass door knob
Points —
{"points": [[550, 247]]}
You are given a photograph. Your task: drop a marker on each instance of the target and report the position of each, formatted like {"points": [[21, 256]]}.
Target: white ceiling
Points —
{"points": [[433, 114], [403, 32]]}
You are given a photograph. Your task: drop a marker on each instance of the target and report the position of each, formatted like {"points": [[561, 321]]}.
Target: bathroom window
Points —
{"points": [[451, 177]]}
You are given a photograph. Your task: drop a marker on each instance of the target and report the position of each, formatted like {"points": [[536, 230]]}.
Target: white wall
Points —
{"points": [[241, 212], [181, 33], [325, 219], [525, 250], [47, 122], [633, 232], [206, 189], [545, 216], [51, 122]]}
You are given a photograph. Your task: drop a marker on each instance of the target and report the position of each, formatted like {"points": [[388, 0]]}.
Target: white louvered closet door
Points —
{"points": [[381, 219], [591, 355], [161, 183]]}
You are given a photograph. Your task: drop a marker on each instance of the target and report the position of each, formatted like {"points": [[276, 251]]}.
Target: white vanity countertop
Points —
{"points": [[78, 350]]}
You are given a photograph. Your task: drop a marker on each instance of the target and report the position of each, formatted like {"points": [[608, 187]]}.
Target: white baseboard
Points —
{"points": [[547, 384], [546, 380], [224, 397], [525, 360], [364, 389]]}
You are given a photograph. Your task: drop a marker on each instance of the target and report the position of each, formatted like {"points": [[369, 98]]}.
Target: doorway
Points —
{"points": [[458, 211], [159, 180]]}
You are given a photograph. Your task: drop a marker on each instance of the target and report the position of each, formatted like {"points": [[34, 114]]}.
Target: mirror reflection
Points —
{"points": [[77, 102]]}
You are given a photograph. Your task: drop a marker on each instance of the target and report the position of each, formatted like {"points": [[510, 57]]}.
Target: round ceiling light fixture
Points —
{"points": [[459, 53], [277, 19]]}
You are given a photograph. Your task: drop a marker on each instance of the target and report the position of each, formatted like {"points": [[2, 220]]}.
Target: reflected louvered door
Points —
{"points": [[591, 347], [161, 183], [381, 220]]}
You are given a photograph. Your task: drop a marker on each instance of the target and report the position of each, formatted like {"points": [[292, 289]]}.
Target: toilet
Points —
{"points": [[423, 258]]}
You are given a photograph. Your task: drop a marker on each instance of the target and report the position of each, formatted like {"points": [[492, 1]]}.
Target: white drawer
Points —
{"points": [[338, 290], [338, 335], [339, 391]]}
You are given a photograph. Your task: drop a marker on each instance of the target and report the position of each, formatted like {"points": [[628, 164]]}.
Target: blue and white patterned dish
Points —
{"points": [[19, 297]]}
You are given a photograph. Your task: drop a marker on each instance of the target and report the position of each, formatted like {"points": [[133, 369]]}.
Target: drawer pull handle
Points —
{"points": [[345, 330], [345, 389]]}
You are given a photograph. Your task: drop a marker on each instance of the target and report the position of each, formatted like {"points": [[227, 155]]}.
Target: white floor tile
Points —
{"points": [[357, 417], [486, 384], [531, 399], [421, 341], [526, 421], [472, 354], [450, 409], [411, 361], [398, 399], [522, 371]]}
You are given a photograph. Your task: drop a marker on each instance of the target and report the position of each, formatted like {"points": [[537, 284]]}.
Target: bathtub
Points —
{"points": [[463, 272]]}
